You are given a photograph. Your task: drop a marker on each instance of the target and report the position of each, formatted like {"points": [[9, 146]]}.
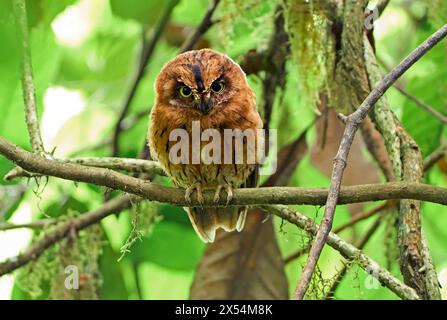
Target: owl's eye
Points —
{"points": [[217, 86], [185, 91]]}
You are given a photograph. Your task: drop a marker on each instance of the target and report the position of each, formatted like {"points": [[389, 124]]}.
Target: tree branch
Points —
{"points": [[29, 91], [353, 121], [381, 6], [421, 103], [249, 196], [347, 250], [415, 261], [434, 157]]}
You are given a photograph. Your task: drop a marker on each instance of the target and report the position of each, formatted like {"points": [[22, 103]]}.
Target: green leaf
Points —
{"points": [[424, 127], [426, 81], [113, 285], [171, 246], [64, 206]]}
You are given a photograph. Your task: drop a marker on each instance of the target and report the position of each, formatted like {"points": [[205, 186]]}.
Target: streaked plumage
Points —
{"points": [[233, 107]]}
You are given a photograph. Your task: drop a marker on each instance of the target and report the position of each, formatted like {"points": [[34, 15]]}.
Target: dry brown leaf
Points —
{"points": [[242, 265]]}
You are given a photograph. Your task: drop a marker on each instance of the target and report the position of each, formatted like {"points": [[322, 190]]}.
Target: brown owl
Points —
{"points": [[205, 95]]}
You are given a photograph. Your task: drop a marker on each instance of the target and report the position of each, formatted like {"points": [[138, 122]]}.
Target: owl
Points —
{"points": [[199, 92]]}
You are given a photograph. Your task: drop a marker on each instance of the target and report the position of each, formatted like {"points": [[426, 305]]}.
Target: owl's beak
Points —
{"points": [[203, 103], [205, 106]]}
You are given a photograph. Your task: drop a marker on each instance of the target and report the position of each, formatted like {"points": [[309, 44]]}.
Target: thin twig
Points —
{"points": [[146, 53], [124, 164], [355, 219], [244, 196], [29, 91], [415, 262], [353, 122], [347, 250], [39, 224], [421, 103], [365, 215], [360, 245], [381, 6], [204, 25], [434, 157]]}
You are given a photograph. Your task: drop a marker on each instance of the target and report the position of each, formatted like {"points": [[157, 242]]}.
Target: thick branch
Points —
{"points": [[250, 196], [352, 124], [415, 261], [29, 92]]}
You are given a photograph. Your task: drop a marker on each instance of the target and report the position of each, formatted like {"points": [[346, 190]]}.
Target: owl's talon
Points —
{"points": [[217, 194], [190, 190], [200, 198], [228, 189]]}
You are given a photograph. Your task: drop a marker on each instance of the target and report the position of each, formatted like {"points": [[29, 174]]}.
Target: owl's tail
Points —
{"points": [[207, 220]]}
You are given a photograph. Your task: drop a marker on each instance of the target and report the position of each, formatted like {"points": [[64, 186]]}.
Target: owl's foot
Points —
{"points": [[228, 189], [190, 190]]}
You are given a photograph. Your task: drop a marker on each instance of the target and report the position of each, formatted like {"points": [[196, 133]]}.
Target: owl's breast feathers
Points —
{"points": [[208, 88], [166, 119]]}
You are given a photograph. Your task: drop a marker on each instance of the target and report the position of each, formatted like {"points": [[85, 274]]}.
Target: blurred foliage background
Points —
{"points": [[85, 56]]}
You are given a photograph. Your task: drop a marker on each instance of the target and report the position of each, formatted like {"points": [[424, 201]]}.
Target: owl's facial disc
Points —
{"points": [[201, 84]]}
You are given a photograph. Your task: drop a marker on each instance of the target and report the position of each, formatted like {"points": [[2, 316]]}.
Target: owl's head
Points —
{"points": [[201, 81]]}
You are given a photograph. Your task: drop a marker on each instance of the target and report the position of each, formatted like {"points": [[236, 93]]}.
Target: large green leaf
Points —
{"points": [[426, 80], [425, 128]]}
